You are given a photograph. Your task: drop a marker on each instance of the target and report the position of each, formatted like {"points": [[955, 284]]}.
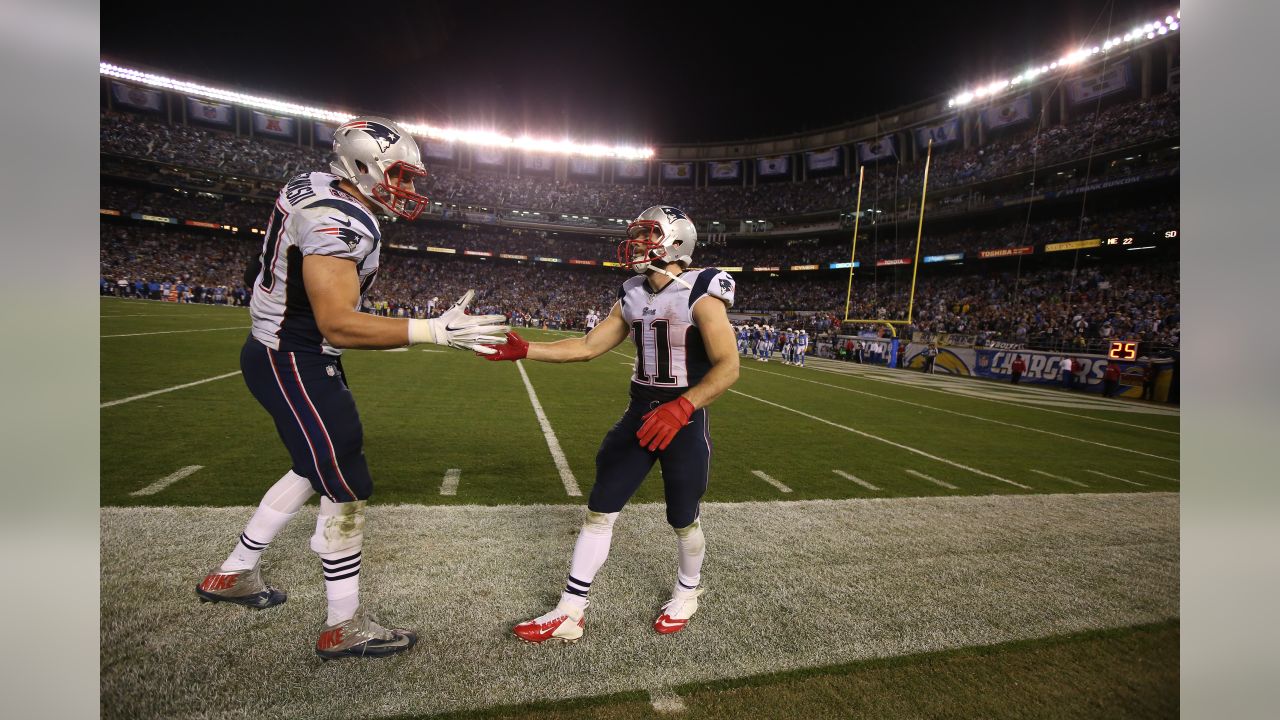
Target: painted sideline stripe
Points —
{"points": [[972, 417], [1116, 477], [165, 482], [1162, 477], [450, 484], [665, 701], [170, 389], [933, 480], [886, 441], [557, 455], [863, 483], [171, 332], [871, 378], [1057, 477], [765, 477]]}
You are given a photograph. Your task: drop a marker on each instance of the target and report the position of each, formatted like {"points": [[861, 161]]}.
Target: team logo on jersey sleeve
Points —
{"points": [[346, 235], [726, 285], [385, 136]]}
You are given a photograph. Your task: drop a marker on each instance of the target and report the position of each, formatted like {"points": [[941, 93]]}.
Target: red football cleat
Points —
{"points": [[563, 623], [677, 611]]}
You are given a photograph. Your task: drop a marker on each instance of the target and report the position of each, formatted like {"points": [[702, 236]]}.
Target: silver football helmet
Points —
{"points": [[382, 160], [660, 235]]}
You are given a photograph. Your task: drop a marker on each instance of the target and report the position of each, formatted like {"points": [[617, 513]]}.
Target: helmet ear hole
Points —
{"points": [[362, 167]]}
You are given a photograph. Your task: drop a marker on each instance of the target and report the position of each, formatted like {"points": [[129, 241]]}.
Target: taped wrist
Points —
{"points": [[423, 331]]}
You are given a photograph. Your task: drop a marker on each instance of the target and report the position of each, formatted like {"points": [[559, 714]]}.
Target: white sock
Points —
{"points": [[589, 553], [693, 548], [278, 506], [341, 584]]}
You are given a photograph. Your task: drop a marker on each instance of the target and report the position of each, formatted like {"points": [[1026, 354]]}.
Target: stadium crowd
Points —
{"points": [[875, 242], [1007, 152], [1044, 306]]}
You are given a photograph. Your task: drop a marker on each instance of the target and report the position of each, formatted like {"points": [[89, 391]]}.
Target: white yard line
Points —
{"points": [[1162, 477], [1058, 477], [1116, 477], [872, 378], [664, 701], [886, 441], [169, 389], [557, 455], [449, 486], [849, 477], [165, 482], [765, 477], [971, 417], [171, 332], [933, 480]]}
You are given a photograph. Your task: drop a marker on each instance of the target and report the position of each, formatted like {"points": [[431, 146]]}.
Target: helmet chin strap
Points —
{"points": [[675, 278]]}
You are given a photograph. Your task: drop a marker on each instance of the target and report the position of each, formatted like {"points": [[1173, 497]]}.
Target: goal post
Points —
{"points": [[915, 263]]}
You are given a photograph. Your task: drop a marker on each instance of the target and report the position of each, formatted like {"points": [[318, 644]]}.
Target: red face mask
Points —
{"points": [[644, 237], [396, 193]]}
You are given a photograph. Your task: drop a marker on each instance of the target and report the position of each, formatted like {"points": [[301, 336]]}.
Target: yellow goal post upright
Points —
{"points": [[915, 263]]}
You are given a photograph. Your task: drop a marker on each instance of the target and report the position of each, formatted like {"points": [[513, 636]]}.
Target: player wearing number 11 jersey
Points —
{"points": [[685, 358]]}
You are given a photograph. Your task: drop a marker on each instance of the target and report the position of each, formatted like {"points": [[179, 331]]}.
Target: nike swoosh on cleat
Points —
{"points": [[665, 624]]}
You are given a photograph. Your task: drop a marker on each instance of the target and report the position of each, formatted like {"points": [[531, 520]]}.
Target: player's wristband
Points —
{"points": [[421, 331]]}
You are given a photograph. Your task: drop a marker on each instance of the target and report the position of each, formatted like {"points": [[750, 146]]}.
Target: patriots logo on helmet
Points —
{"points": [[674, 214], [385, 136]]}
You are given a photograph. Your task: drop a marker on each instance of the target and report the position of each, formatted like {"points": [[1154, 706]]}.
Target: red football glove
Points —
{"points": [[515, 348], [663, 422]]}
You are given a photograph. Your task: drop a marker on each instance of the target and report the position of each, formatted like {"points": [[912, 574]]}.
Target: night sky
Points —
{"points": [[651, 73]]}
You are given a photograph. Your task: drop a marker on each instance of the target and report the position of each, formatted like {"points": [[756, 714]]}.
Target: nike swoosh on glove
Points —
{"points": [[456, 328], [515, 349], [663, 422]]}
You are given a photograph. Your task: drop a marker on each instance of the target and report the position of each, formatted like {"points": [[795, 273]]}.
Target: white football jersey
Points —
{"points": [[312, 216], [670, 354]]}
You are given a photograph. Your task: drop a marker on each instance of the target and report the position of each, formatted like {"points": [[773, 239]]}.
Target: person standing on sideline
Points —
{"points": [[319, 256], [1068, 373], [1110, 379], [685, 359], [1149, 381], [1019, 367]]}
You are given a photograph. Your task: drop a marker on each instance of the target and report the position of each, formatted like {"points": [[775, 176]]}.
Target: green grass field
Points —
{"points": [[1075, 492]]}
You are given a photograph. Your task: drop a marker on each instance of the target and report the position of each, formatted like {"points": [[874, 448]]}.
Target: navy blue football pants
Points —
{"points": [[315, 414], [622, 464]]}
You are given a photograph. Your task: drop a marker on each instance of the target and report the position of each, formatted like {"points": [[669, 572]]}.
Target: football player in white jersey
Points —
{"points": [[319, 257], [686, 357]]}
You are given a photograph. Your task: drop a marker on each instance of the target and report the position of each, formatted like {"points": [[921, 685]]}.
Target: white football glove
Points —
{"points": [[456, 328]]}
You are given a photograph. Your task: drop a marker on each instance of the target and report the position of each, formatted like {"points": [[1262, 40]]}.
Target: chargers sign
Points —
{"points": [[1042, 368]]}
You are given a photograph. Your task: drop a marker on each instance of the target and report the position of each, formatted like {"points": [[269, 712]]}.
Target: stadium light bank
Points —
{"points": [[483, 138], [1146, 31]]}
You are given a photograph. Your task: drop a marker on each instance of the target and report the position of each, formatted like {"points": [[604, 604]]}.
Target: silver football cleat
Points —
{"points": [[361, 636], [242, 587]]}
